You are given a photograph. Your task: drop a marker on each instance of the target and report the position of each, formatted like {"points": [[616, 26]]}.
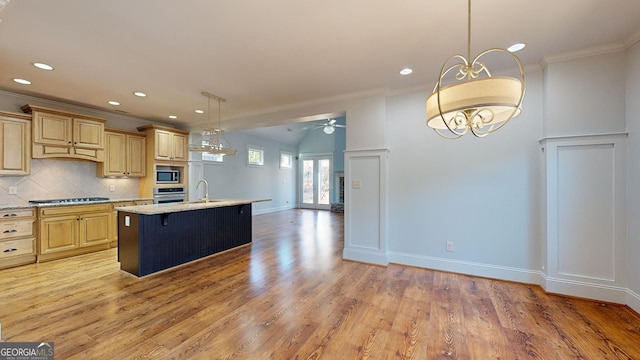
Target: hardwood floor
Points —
{"points": [[290, 295]]}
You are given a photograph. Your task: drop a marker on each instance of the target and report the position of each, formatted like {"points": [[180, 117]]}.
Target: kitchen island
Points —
{"points": [[153, 238]]}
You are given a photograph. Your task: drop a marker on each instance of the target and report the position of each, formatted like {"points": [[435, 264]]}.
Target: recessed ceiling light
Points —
{"points": [[516, 47], [140, 94], [22, 81], [199, 111], [114, 103], [172, 117], [406, 71], [43, 66]]}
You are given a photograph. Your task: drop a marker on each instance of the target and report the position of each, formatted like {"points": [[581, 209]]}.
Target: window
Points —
{"points": [[286, 160], [213, 157], [255, 156]]}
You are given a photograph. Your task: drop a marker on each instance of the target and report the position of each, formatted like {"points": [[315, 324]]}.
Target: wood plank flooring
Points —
{"points": [[290, 295]]}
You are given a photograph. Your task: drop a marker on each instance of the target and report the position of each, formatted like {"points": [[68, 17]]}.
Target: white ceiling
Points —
{"points": [[264, 55]]}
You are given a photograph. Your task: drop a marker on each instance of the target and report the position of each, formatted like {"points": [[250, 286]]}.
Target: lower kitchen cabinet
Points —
{"points": [[17, 237], [73, 230]]}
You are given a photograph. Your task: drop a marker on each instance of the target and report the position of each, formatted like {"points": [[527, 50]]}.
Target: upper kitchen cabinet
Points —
{"points": [[15, 150], [166, 143], [124, 154], [63, 134]]}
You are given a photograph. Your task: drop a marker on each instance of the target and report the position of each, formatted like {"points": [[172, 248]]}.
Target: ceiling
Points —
{"points": [[268, 55]]}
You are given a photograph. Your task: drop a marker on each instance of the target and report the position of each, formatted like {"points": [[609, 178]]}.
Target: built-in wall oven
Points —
{"points": [[169, 195]]}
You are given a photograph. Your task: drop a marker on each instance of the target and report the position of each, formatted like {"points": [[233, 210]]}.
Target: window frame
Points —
{"points": [[288, 154], [250, 149]]}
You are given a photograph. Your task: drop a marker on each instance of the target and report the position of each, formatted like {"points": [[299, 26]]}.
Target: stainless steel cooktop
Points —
{"points": [[69, 200]]}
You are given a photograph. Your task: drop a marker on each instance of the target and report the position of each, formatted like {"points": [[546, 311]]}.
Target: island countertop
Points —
{"points": [[184, 206]]}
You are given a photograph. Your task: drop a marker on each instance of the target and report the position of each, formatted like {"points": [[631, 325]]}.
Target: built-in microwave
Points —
{"points": [[167, 176]]}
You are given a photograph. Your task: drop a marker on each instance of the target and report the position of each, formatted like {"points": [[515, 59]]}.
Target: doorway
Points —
{"points": [[316, 181]]}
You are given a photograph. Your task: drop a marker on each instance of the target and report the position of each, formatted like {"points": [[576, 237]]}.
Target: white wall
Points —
{"points": [[234, 179], [633, 188], [481, 194], [585, 96], [586, 192]]}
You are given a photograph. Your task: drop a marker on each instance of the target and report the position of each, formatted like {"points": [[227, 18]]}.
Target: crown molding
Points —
{"points": [[583, 53], [633, 39]]}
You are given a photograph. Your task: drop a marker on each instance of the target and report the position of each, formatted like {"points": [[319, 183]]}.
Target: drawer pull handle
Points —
{"points": [[10, 250], [9, 215], [10, 231]]}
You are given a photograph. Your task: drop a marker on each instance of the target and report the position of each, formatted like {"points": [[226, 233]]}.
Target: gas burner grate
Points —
{"points": [[69, 200]]}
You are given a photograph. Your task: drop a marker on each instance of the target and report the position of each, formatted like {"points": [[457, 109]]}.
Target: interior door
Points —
{"points": [[315, 180]]}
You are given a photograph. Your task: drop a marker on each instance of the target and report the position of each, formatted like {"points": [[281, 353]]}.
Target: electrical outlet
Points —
{"points": [[112, 188], [449, 246], [355, 184], [13, 190]]}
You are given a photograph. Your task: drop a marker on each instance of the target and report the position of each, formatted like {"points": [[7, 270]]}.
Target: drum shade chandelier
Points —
{"points": [[475, 101], [213, 139]]}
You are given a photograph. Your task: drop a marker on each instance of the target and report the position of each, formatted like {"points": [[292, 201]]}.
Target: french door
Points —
{"points": [[315, 180]]}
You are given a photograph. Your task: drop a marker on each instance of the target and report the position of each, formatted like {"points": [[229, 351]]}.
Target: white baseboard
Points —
{"points": [[270, 210], [608, 293], [633, 301], [468, 268], [365, 256], [582, 289]]}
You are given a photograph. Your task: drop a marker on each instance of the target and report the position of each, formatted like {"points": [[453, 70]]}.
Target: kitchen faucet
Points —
{"points": [[206, 189]]}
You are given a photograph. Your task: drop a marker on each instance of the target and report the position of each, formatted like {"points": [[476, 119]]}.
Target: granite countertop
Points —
{"points": [[31, 205], [185, 206]]}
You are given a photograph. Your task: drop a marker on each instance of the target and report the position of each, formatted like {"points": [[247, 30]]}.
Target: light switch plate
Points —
{"points": [[355, 184], [13, 190], [112, 188]]}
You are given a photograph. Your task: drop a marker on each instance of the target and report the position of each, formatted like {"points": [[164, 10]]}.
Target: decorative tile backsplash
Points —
{"points": [[55, 179]]}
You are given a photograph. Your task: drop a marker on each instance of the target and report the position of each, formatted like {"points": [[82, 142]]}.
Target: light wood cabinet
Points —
{"points": [[124, 154], [113, 227], [73, 230], [168, 144], [17, 237], [15, 149], [62, 134], [166, 147]]}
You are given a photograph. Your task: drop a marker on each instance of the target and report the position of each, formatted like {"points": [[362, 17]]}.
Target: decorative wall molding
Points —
{"points": [[366, 173], [583, 53], [585, 216]]}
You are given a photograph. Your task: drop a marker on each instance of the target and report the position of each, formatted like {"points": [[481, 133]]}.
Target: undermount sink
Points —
{"points": [[204, 201]]}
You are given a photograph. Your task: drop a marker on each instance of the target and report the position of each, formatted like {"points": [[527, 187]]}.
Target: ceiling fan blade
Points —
{"points": [[331, 121], [342, 126]]}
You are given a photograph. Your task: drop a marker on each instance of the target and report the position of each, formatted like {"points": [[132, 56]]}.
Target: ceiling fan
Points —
{"points": [[328, 127]]}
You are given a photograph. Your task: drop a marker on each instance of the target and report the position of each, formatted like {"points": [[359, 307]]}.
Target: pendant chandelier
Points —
{"points": [[476, 101], [213, 139]]}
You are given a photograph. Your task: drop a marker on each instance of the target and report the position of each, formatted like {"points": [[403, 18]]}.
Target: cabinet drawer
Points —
{"points": [[16, 248], [16, 213], [73, 210], [15, 229]]}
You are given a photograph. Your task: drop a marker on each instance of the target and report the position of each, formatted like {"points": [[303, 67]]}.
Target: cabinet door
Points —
{"points": [[15, 156], [163, 145], [179, 147], [114, 162], [88, 134], [58, 234], [52, 129], [94, 229], [136, 155]]}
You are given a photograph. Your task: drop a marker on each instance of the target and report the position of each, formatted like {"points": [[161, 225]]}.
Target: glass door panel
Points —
{"points": [[315, 180]]}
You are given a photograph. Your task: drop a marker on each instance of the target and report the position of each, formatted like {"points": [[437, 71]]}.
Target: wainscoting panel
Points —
{"points": [[586, 216], [365, 206]]}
